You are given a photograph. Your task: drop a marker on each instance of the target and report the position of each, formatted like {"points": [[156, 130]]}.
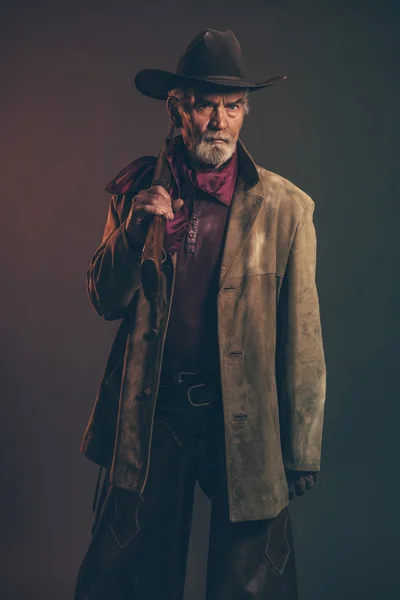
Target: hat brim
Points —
{"points": [[156, 83]]}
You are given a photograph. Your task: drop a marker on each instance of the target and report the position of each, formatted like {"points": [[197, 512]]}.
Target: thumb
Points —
{"points": [[177, 204]]}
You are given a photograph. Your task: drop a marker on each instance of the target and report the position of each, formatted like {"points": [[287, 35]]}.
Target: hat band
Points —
{"points": [[213, 77]]}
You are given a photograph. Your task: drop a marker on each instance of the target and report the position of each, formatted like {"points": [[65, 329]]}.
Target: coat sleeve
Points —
{"points": [[113, 276], [301, 370]]}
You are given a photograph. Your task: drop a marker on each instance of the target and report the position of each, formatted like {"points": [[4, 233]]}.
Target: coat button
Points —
{"points": [[235, 353], [152, 334], [229, 288]]}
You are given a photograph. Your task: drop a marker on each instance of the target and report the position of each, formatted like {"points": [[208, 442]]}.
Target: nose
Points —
{"points": [[218, 120]]}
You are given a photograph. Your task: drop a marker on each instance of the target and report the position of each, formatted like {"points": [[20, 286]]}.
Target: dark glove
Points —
{"points": [[300, 481]]}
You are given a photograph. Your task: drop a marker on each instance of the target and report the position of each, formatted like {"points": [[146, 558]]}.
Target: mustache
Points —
{"points": [[209, 137]]}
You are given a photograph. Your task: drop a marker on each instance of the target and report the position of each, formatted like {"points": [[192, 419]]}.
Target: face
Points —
{"points": [[210, 126]]}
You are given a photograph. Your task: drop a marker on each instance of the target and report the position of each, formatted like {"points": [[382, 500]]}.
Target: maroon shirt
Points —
{"points": [[197, 235]]}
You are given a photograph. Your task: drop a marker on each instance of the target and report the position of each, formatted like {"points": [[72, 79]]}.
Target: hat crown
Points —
{"points": [[213, 58], [212, 53]]}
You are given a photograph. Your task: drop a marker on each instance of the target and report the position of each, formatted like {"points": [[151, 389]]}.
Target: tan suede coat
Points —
{"points": [[269, 330]]}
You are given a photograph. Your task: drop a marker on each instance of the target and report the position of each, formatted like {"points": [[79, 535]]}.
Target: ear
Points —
{"points": [[173, 112]]}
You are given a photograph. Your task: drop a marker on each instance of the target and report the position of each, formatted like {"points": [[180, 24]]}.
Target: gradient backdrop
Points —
{"points": [[70, 119]]}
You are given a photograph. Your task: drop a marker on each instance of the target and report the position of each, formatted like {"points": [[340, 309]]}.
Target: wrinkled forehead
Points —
{"points": [[225, 98]]}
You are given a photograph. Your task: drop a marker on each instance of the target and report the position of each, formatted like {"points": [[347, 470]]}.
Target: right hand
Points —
{"points": [[153, 201]]}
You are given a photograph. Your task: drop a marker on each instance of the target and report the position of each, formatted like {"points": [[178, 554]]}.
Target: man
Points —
{"points": [[229, 388]]}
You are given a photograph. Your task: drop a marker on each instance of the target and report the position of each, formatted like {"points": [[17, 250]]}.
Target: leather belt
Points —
{"points": [[176, 378], [200, 389]]}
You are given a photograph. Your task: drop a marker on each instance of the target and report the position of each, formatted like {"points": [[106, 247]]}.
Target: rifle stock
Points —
{"points": [[152, 249]]}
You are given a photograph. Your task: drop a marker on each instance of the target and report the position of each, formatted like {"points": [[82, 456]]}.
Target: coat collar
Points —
{"points": [[248, 173], [245, 205]]}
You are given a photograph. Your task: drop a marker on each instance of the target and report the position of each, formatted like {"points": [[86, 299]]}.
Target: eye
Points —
{"points": [[203, 105], [233, 107]]}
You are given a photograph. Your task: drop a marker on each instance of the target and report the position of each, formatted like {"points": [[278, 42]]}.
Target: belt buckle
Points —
{"points": [[178, 376], [192, 387]]}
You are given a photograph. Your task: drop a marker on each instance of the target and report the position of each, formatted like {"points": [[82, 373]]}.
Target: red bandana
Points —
{"points": [[219, 183]]}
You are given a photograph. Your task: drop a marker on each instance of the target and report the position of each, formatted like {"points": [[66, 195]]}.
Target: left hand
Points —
{"points": [[300, 481]]}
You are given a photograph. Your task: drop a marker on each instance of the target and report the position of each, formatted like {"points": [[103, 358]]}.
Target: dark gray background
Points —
{"points": [[70, 119]]}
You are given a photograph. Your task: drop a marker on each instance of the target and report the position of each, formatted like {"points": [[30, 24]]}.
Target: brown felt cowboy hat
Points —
{"points": [[213, 58]]}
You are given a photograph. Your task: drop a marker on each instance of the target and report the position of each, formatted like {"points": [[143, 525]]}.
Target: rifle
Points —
{"points": [[152, 250]]}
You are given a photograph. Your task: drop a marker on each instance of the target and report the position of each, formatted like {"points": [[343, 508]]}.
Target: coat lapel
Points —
{"points": [[245, 205]]}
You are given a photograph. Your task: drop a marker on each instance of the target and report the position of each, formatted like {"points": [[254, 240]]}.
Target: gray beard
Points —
{"points": [[212, 155]]}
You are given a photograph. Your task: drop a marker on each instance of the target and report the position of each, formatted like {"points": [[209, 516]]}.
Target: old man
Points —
{"points": [[229, 390]]}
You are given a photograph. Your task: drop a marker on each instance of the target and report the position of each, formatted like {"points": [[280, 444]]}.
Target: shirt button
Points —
{"points": [[191, 235]]}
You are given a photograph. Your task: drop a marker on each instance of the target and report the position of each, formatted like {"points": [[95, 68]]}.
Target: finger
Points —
{"points": [[160, 190], [158, 205], [147, 197], [154, 209], [309, 481], [300, 486], [177, 205], [163, 201]]}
